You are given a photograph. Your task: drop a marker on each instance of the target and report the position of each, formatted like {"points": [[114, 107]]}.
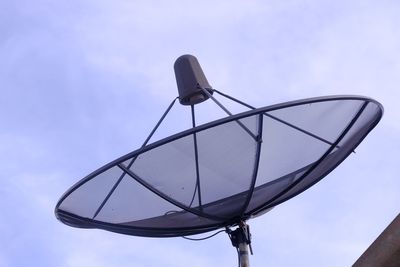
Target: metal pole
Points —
{"points": [[244, 255], [241, 240]]}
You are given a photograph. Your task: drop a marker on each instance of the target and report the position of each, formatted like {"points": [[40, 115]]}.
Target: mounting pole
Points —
{"points": [[241, 240], [244, 255]]}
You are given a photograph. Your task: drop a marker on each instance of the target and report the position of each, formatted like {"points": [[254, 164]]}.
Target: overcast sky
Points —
{"points": [[84, 82]]}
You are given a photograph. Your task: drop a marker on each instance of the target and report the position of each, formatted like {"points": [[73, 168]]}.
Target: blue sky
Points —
{"points": [[83, 82]]}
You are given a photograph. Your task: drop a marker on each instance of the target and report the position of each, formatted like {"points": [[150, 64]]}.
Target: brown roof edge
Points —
{"points": [[385, 250]]}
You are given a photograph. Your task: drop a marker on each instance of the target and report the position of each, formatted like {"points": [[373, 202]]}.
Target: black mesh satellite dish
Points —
{"points": [[219, 174]]}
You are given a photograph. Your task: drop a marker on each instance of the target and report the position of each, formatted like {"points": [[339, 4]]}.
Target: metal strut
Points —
{"points": [[241, 240], [196, 157], [277, 119], [228, 112], [133, 160]]}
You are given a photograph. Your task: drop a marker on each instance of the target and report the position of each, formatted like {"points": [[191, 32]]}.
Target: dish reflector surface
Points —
{"points": [[246, 164]]}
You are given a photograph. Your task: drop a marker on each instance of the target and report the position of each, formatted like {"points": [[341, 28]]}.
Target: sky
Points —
{"points": [[84, 82]]}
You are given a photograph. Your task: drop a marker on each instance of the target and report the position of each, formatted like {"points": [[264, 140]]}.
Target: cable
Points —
{"points": [[203, 238]]}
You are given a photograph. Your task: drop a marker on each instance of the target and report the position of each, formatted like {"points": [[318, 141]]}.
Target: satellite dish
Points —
{"points": [[219, 174]]}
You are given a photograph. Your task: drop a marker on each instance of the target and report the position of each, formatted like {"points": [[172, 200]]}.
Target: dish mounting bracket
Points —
{"points": [[241, 240]]}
